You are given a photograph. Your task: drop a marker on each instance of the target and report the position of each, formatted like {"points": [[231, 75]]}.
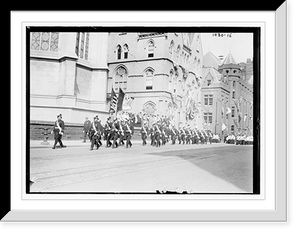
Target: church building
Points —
{"points": [[161, 71]]}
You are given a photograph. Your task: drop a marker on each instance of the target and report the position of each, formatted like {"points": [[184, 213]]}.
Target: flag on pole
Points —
{"points": [[245, 117], [113, 101], [120, 99], [223, 126], [240, 116], [127, 102]]}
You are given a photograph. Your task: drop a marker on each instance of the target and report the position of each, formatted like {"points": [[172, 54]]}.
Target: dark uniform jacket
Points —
{"points": [[59, 123], [144, 130], [87, 125]]}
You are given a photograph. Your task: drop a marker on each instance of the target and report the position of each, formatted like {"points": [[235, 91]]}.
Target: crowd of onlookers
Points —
{"points": [[239, 139]]}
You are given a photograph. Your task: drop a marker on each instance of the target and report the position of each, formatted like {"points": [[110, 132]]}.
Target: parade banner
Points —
{"points": [[120, 99], [113, 101], [127, 102]]}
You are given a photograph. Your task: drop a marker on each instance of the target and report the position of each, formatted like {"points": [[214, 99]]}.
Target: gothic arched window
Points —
{"points": [[171, 80], [120, 77], [151, 48], [178, 54], [171, 48], [125, 49], [119, 52], [149, 73], [82, 45]]}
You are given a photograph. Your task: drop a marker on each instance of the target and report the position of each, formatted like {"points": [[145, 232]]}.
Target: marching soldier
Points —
{"points": [[210, 137], [202, 137], [129, 130], [182, 135], [196, 136], [101, 131], [114, 133], [95, 132], [121, 133], [86, 129], [152, 136], [107, 136], [205, 137], [144, 133], [188, 135], [163, 136], [173, 135], [157, 134], [58, 130]]}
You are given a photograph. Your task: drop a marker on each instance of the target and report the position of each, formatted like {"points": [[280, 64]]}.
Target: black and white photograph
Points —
{"points": [[149, 116], [160, 110]]}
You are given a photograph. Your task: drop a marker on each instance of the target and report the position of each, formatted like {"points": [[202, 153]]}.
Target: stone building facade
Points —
{"points": [[68, 75], [161, 71]]}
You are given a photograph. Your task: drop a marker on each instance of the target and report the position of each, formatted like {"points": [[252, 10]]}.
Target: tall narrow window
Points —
{"points": [[82, 45], [149, 79], [87, 43], [125, 49], [178, 54], [210, 100], [151, 48], [119, 52], [207, 117], [175, 82], [232, 111], [121, 77], [205, 99], [170, 80], [171, 48], [77, 43]]}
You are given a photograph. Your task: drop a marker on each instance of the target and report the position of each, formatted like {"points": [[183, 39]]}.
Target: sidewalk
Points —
{"points": [[68, 143]]}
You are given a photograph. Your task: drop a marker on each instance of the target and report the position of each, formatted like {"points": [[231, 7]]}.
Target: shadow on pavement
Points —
{"points": [[233, 164]]}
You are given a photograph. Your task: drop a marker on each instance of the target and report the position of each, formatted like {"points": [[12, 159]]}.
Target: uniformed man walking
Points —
{"points": [[94, 130], [157, 135], [86, 129], [107, 135], [121, 133], [114, 132], [58, 130], [144, 133], [129, 130]]}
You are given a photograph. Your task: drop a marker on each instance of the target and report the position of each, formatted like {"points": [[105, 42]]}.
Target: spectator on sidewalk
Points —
{"points": [[86, 129]]}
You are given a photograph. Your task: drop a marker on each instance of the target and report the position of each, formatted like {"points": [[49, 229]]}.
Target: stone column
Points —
{"points": [[67, 75]]}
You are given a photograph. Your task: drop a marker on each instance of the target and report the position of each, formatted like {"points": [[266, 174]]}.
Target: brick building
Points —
{"points": [[227, 95]]}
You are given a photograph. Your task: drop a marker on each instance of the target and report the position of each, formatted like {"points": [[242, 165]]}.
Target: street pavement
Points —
{"points": [[208, 168]]}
